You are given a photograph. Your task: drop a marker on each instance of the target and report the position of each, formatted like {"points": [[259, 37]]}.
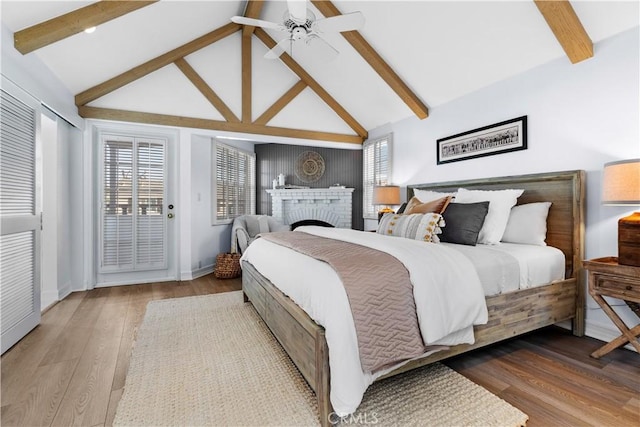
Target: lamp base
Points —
{"points": [[383, 211], [629, 240]]}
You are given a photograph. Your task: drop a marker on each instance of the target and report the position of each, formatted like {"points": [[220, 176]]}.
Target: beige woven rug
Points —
{"points": [[209, 360]]}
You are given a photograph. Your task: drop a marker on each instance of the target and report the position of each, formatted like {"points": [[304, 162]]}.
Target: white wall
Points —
{"points": [[579, 117], [208, 240]]}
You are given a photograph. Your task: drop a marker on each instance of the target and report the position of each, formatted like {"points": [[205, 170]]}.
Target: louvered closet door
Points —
{"points": [[20, 221], [133, 223]]}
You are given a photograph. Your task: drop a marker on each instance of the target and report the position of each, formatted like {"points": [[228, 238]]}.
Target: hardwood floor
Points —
{"points": [[71, 369]]}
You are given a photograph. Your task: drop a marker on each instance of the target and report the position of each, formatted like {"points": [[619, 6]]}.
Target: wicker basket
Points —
{"points": [[227, 266]]}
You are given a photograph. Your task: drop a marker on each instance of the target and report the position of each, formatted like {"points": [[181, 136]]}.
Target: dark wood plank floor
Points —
{"points": [[71, 369]]}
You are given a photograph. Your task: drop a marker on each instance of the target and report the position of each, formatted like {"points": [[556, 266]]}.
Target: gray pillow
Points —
{"points": [[463, 222]]}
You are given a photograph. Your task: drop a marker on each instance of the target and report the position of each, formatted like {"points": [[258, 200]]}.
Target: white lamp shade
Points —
{"points": [[386, 195], [621, 183]]}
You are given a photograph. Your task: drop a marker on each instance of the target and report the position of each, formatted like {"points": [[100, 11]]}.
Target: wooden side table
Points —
{"points": [[608, 278]]}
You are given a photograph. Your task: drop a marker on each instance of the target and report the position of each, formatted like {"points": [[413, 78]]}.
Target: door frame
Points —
{"points": [[96, 130]]}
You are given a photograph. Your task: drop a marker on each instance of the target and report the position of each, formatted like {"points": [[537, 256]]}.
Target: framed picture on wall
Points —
{"points": [[503, 137]]}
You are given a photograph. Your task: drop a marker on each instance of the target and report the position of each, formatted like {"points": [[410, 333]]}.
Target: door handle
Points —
{"points": [[169, 215]]}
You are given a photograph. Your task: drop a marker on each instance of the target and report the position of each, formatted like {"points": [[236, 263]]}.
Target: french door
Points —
{"points": [[134, 210], [19, 217]]}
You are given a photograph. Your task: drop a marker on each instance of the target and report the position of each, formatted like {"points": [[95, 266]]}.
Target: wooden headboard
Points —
{"points": [[565, 190]]}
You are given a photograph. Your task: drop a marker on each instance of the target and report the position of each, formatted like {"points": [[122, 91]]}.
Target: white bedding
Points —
{"points": [[511, 266], [449, 299]]}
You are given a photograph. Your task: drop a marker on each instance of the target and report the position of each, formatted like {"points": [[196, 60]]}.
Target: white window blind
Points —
{"points": [[133, 224], [376, 171], [235, 183]]}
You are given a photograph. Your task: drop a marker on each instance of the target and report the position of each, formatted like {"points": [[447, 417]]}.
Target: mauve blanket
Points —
{"points": [[380, 294]]}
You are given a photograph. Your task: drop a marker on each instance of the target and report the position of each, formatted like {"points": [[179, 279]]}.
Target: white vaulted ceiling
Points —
{"points": [[441, 50]]}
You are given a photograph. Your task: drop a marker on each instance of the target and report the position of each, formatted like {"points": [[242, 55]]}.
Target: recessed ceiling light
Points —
{"points": [[90, 30]]}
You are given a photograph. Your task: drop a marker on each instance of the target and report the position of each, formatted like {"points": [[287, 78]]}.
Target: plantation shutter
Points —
{"points": [[235, 192], [376, 171], [133, 227], [150, 221], [117, 216], [20, 221]]}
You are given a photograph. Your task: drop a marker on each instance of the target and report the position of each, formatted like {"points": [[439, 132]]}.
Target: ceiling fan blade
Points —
{"points": [[338, 24], [257, 23], [322, 50], [298, 10], [279, 49]]}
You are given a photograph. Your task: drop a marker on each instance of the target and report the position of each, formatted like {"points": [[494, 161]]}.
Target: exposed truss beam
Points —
{"points": [[246, 77], [277, 106], [148, 67], [253, 9], [206, 90], [63, 26], [567, 28], [376, 62], [313, 84], [188, 122]]}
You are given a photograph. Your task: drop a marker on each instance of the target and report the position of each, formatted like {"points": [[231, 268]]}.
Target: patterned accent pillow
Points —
{"points": [[424, 227], [437, 206]]}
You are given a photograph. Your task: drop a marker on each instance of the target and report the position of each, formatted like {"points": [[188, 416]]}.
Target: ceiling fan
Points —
{"points": [[303, 27]]}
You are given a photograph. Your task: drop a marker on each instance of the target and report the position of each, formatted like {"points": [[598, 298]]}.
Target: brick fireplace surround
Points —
{"points": [[330, 205]]}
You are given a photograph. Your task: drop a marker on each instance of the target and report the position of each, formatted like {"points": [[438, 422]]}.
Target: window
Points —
{"points": [[134, 228], [235, 183], [376, 171]]}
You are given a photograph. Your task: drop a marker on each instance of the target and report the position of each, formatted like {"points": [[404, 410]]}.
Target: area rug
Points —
{"points": [[210, 360]]}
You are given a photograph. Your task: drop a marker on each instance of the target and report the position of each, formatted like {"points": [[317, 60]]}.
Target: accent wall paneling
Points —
{"points": [[341, 166]]}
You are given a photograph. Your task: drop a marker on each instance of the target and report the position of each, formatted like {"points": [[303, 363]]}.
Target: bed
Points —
{"points": [[509, 313]]}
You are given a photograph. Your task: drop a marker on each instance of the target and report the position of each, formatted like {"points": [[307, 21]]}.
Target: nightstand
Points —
{"points": [[608, 278]]}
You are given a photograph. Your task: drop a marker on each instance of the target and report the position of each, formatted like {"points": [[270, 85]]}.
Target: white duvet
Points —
{"points": [[448, 294]]}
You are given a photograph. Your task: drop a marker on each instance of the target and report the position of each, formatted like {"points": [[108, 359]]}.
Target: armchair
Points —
{"points": [[247, 228]]}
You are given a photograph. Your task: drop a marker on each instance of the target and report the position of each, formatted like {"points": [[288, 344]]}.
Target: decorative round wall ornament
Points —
{"points": [[309, 166]]}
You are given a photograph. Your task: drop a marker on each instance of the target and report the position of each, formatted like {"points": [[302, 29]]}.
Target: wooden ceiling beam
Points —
{"points": [[152, 65], [313, 84], [566, 26], [253, 9], [188, 122], [277, 106], [246, 77], [206, 90], [369, 54], [74, 22]]}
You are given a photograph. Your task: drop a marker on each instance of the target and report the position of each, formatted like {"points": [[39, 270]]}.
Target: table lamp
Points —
{"points": [[386, 195], [621, 186]]}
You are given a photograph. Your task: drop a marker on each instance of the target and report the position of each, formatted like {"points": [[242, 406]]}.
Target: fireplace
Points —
{"points": [[326, 205]]}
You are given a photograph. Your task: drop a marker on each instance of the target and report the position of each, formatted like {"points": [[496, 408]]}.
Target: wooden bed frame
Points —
{"points": [[510, 314]]}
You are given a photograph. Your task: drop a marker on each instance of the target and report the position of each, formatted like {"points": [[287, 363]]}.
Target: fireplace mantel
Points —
{"points": [[331, 205]]}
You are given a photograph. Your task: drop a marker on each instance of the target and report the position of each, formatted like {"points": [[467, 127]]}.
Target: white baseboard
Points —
{"points": [[201, 272], [604, 333], [186, 275], [64, 291], [47, 299]]}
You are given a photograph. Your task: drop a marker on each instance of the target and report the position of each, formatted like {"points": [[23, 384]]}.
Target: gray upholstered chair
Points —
{"points": [[247, 228]]}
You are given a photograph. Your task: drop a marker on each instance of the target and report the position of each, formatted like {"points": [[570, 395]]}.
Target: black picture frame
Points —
{"points": [[503, 137]]}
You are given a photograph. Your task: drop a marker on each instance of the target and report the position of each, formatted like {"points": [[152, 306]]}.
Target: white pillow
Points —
{"points": [[528, 224], [500, 204], [427, 195]]}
